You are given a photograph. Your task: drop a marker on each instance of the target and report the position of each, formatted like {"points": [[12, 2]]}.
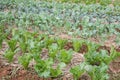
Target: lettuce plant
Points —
{"points": [[23, 46], [24, 60], [96, 58], [65, 56], [114, 54], [61, 42], [77, 44], [9, 54], [99, 63], [53, 50], [12, 44], [48, 41], [43, 67], [77, 71], [98, 72], [57, 71]]}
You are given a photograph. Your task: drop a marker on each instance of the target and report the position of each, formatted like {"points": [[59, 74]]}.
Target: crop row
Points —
{"points": [[30, 44], [94, 19], [102, 2]]}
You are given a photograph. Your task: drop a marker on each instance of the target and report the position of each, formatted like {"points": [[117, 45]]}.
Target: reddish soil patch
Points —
{"points": [[13, 73], [118, 49], [68, 46], [117, 29], [84, 48], [80, 27]]}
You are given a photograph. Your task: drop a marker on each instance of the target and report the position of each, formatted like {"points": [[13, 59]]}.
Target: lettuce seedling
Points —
{"points": [[43, 67], [48, 41], [77, 44], [98, 72], [92, 46], [57, 71], [53, 50], [24, 60], [65, 56], [12, 44], [9, 54], [23, 46], [96, 58], [114, 54], [77, 71], [61, 42]]}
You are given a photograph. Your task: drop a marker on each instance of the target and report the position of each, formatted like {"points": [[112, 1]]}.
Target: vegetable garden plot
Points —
{"points": [[54, 57], [94, 19], [95, 60]]}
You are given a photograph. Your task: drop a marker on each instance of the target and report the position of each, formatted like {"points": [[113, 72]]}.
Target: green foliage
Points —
{"points": [[53, 50], [98, 63], [46, 16], [23, 46], [12, 44], [9, 54], [92, 46], [43, 67], [96, 58], [65, 56], [24, 60], [102, 2], [48, 41], [58, 71], [31, 47], [77, 71], [95, 72], [2, 35], [61, 42], [114, 54], [84, 20], [55, 72], [77, 45], [98, 72]]}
